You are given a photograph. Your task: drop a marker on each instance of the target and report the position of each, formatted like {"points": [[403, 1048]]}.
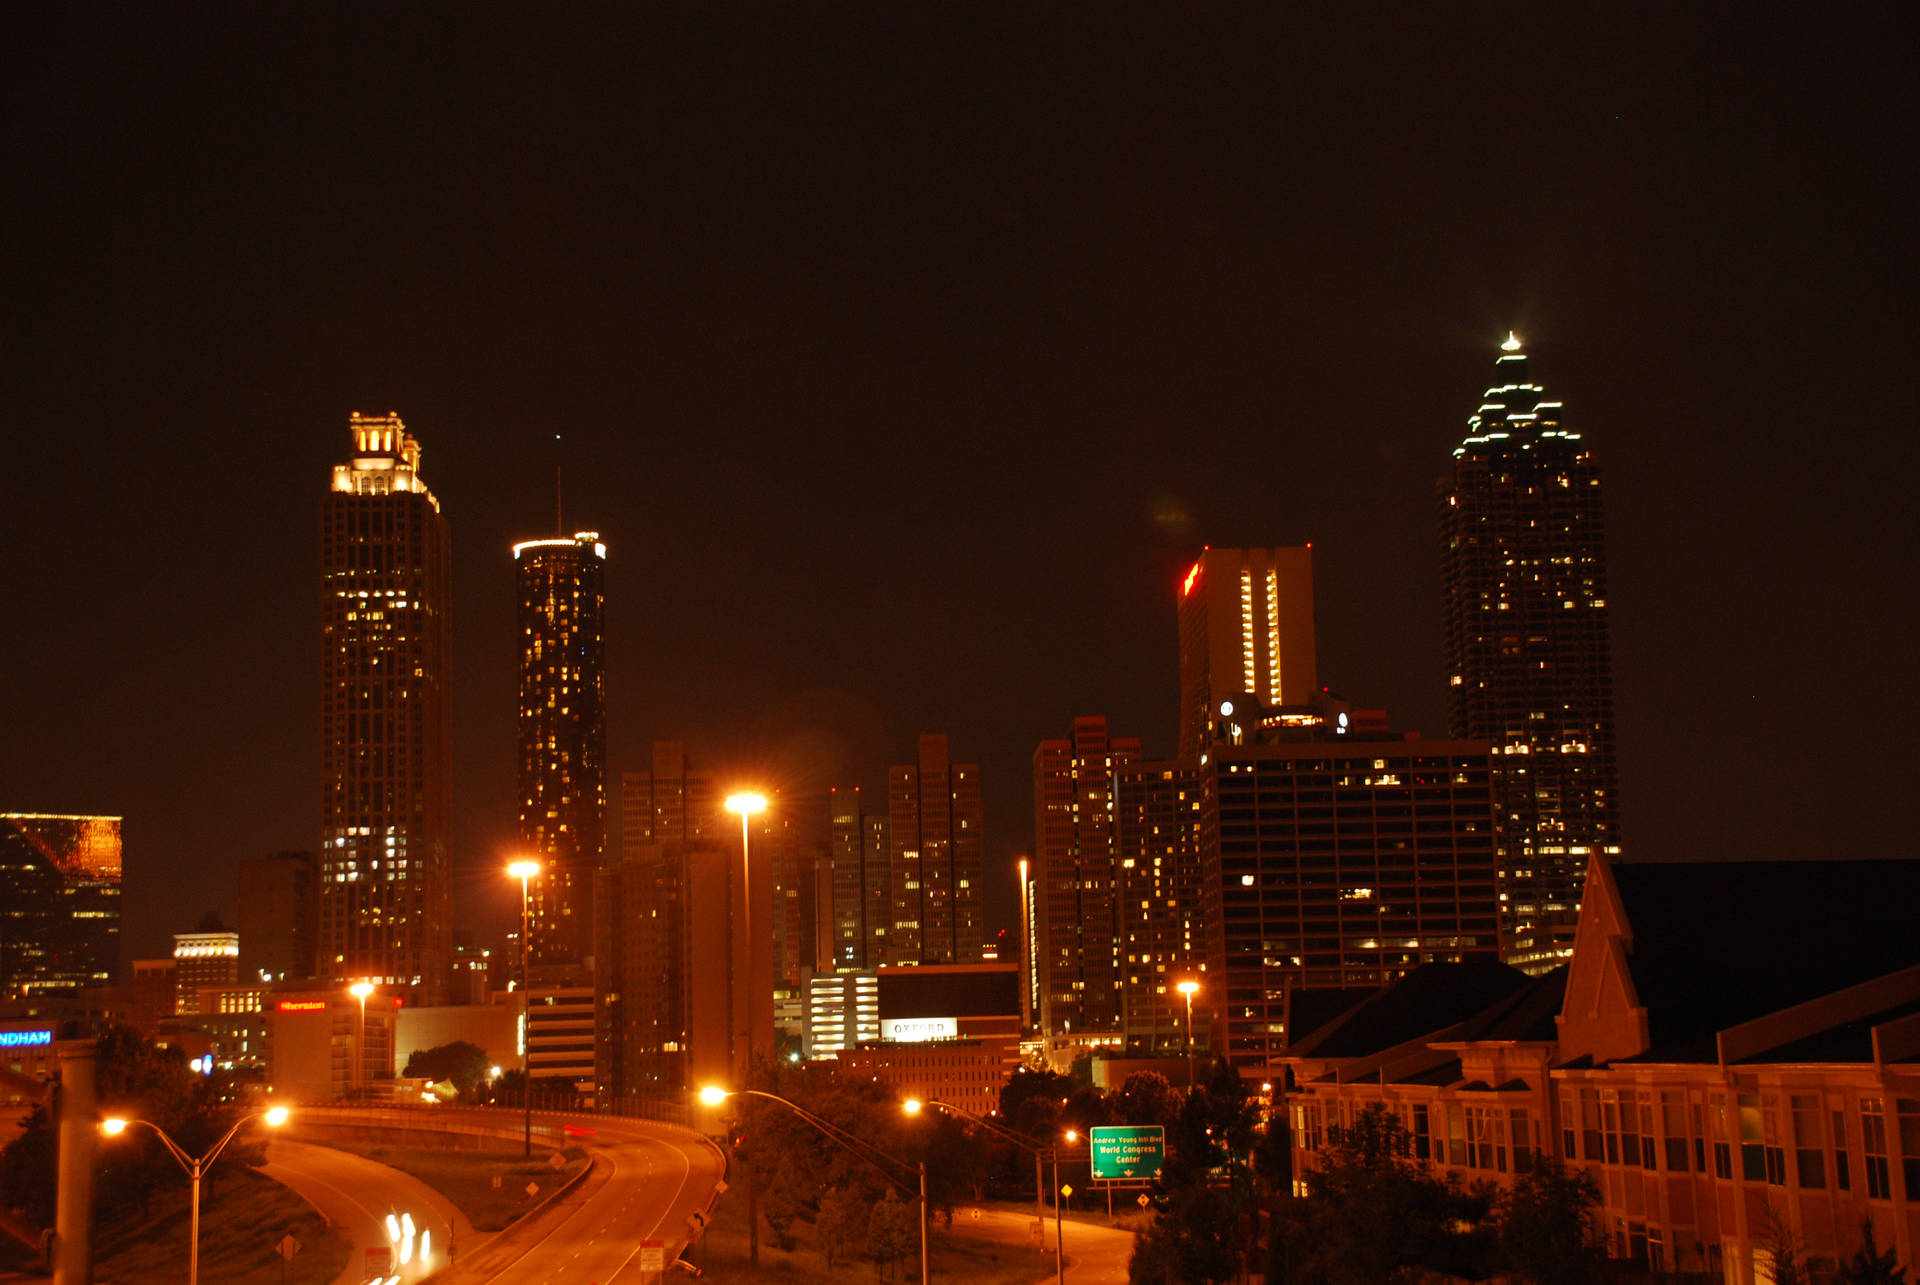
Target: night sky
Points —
{"points": [[905, 354]]}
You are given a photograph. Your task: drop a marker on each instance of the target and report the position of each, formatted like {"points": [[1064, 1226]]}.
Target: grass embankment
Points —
{"points": [[722, 1255], [242, 1219], [467, 1177]]}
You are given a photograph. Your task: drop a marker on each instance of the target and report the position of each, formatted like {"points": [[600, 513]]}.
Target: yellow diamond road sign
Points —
{"points": [[1066, 1189]]}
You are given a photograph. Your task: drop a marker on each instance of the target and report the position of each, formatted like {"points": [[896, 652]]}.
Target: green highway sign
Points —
{"points": [[1127, 1151]]}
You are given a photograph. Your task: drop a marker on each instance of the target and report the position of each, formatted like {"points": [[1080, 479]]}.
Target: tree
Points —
{"points": [[1373, 1215], [1031, 1101], [1869, 1266], [465, 1064], [132, 1077], [1783, 1251], [1195, 1233], [1547, 1225], [1144, 1098], [782, 1204], [956, 1158], [843, 1225], [893, 1232]]}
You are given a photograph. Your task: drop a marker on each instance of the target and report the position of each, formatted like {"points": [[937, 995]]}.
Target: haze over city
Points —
{"points": [[985, 641]]}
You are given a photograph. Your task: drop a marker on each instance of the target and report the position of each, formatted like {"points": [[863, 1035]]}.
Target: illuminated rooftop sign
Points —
{"points": [[917, 1030], [22, 1039], [302, 1005]]}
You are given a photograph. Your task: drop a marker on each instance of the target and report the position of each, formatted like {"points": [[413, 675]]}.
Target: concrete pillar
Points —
{"points": [[77, 1123]]}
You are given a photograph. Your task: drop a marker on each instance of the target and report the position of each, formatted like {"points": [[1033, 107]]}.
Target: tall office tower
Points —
{"points": [[59, 902], [1527, 657], [1163, 936], [1081, 946], [794, 831], [1343, 861], [1246, 642], [561, 586], [862, 884], [684, 981], [934, 813], [204, 959], [385, 723], [671, 802], [279, 914]]}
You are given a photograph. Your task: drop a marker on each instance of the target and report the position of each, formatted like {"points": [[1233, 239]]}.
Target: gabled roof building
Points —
{"points": [[1733, 1044]]}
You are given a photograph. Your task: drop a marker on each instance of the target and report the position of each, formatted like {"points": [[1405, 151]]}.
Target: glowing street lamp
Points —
{"points": [[195, 1166], [1187, 988], [523, 871]]}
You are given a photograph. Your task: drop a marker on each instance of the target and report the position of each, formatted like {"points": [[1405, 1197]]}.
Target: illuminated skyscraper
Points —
{"points": [[1246, 641], [1163, 927], [1527, 654], [1343, 861], [934, 814], [1075, 841], [59, 902], [563, 737], [672, 803], [862, 884], [385, 719]]}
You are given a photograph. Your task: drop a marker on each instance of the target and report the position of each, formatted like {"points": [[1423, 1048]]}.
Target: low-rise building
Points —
{"points": [[967, 1072], [1738, 1048], [325, 1044]]}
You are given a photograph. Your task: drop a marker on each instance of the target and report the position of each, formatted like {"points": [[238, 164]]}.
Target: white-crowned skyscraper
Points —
{"points": [[385, 719], [561, 586]]}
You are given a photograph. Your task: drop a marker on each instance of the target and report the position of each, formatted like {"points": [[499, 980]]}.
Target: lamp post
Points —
{"points": [[740, 994], [746, 806], [195, 1166], [912, 1106], [713, 1095], [523, 871], [360, 991], [1026, 954], [1187, 988]]}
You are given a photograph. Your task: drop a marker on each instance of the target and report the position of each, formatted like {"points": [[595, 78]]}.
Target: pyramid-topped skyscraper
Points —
{"points": [[1528, 662]]}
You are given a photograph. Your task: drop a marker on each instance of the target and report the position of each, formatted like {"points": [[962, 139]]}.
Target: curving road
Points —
{"points": [[1095, 1255], [357, 1194], [647, 1183]]}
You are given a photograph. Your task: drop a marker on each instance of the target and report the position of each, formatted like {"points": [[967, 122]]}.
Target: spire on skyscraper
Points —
{"points": [[1528, 662]]}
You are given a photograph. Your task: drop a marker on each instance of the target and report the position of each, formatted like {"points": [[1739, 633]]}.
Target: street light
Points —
{"points": [[913, 1106], [114, 1126], [523, 871], [713, 1095], [360, 991], [747, 806], [1187, 988]]}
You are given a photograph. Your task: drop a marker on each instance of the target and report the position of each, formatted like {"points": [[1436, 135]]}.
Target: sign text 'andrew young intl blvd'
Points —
{"points": [[1127, 1151]]}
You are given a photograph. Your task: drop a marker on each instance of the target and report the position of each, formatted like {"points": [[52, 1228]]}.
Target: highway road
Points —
{"points": [[358, 1195], [647, 1182]]}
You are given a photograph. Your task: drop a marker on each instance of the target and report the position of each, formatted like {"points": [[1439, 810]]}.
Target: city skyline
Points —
{"points": [[929, 450]]}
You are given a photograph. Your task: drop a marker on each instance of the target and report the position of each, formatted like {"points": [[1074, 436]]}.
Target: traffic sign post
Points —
{"points": [[653, 1255], [1127, 1151]]}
